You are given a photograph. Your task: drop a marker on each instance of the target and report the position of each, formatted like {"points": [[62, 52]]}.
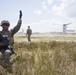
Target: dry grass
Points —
{"points": [[44, 58]]}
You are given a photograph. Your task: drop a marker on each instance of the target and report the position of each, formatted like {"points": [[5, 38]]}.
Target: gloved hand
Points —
{"points": [[20, 15]]}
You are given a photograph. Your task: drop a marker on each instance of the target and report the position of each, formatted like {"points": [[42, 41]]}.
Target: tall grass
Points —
{"points": [[44, 58]]}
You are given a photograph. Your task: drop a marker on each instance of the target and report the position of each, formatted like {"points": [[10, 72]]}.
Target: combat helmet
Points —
{"points": [[5, 22]]}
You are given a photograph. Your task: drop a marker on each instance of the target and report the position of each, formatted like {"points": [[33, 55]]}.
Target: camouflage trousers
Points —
{"points": [[5, 59], [29, 37]]}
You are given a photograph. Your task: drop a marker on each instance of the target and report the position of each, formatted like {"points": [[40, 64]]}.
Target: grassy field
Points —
{"points": [[45, 38], [44, 56]]}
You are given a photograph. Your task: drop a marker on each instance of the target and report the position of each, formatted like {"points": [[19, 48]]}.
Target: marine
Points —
{"points": [[7, 40], [29, 33]]}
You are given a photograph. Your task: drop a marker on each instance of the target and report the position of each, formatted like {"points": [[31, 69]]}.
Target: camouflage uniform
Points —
{"points": [[28, 33], [10, 35]]}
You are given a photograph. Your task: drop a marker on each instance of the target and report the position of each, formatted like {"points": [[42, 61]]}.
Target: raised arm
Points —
{"points": [[18, 26]]}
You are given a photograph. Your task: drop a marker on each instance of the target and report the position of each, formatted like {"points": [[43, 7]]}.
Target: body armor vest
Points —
{"points": [[8, 35]]}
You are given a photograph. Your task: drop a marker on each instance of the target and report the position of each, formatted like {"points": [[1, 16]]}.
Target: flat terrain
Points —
{"points": [[44, 55], [46, 37]]}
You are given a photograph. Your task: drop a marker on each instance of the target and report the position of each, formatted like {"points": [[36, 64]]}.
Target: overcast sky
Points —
{"points": [[41, 15]]}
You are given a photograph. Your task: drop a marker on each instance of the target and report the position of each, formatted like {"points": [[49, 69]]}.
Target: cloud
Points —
{"points": [[58, 10], [70, 9], [38, 12], [44, 6], [49, 1], [66, 7]]}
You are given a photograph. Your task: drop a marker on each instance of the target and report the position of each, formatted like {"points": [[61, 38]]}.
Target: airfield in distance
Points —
{"points": [[49, 34]]}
